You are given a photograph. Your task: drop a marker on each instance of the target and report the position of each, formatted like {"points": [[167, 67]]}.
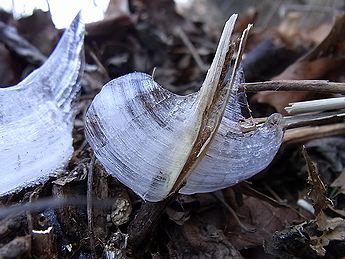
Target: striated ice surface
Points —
{"points": [[142, 134], [234, 156], [150, 138], [36, 115]]}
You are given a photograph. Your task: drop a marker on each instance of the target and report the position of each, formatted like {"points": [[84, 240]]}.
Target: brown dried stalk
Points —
{"points": [[322, 86]]}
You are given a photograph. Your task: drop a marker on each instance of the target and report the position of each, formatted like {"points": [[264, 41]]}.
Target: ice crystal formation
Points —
{"points": [[36, 115], [153, 140]]}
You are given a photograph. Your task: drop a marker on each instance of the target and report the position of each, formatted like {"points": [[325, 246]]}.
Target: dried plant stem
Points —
{"points": [[294, 136], [89, 207], [308, 119], [145, 222], [193, 51], [308, 8], [316, 105], [322, 86]]}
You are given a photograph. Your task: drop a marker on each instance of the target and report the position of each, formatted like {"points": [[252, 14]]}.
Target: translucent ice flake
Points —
{"points": [[153, 140], [36, 115], [138, 135]]}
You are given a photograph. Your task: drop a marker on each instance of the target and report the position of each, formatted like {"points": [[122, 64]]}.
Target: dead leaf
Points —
{"points": [[319, 33], [179, 217], [266, 219], [332, 229], [99, 31], [340, 182], [319, 63], [318, 190], [292, 242], [313, 69], [195, 239], [279, 100], [308, 239]]}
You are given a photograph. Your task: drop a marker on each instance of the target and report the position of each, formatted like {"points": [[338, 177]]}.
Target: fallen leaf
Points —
{"points": [[317, 192], [261, 215], [340, 182], [279, 100], [311, 69], [195, 239], [332, 229], [319, 63], [292, 242], [319, 33], [308, 239]]}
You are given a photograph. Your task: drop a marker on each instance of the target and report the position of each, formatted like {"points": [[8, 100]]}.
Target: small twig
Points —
{"points": [[102, 69], [48, 5], [273, 193], [192, 50], [81, 148], [316, 105], [89, 207], [322, 86], [219, 196]]}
